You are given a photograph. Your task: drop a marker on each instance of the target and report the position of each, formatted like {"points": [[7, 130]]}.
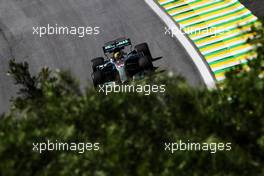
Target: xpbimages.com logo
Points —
{"points": [[212, 31], [212, 147], [123, 88], [80, 31], [50, 146]]}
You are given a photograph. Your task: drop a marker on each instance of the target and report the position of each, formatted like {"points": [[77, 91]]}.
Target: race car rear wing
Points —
{"points": [[117, 44]]}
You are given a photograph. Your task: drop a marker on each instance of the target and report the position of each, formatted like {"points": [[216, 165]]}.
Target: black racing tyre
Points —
{"points": [[143, 47], [97, 78], [145, 63], [97, 61]]}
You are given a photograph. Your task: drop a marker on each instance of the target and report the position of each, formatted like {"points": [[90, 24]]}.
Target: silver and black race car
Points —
{"points": [[119, 66]]}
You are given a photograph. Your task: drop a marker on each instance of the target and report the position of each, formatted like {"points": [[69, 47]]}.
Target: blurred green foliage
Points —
{"points": [[132, 128]]}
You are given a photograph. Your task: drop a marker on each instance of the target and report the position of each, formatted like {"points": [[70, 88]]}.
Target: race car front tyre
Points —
{"points": [[143, 47], [97, 78], [96, 62]]}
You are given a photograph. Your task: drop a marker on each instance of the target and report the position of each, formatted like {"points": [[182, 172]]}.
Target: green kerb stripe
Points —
{"points": [[205, 13], [228, 58], [204, 38], [227, 69], [220, 41], [237, 11], [218, 51]]}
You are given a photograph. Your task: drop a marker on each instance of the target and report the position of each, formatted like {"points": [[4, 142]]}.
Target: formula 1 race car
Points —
{"points": [[119, 66]]}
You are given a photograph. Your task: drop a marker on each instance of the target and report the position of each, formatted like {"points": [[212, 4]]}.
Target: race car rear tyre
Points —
{"points": [[143, 47], [97, 78], [145, 63], [97, 61]]}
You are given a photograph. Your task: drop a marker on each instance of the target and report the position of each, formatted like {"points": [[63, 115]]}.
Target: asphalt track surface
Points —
{"points": [[256, 7], [131, 18]]}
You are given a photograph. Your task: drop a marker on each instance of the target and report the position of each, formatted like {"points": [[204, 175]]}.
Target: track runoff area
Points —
{"points": [[218, 28]]}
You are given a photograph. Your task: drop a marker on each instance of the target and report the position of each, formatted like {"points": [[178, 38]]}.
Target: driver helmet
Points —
{"points": [[117, 54]]}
